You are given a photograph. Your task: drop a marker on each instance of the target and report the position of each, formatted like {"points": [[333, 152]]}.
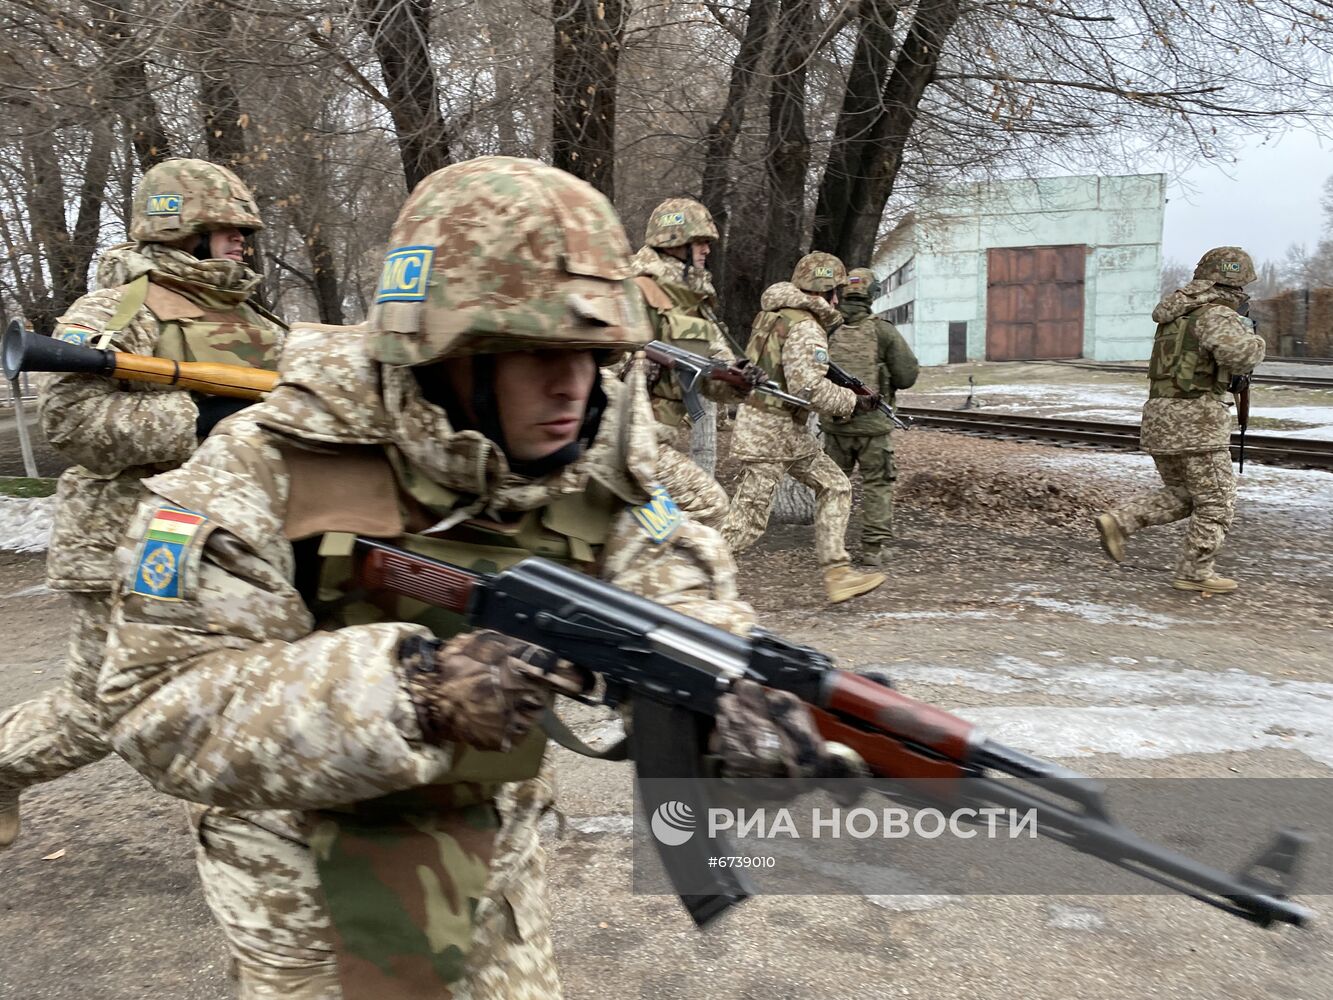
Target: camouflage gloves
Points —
{"points": [[754, 375], [865, 404], [478, 688], [767, 734]]}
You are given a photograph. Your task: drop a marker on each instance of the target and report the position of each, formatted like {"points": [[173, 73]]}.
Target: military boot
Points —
{"points": [[9, 822], [1112, 535], [871, 555], [1212, 585], [842, 583]]}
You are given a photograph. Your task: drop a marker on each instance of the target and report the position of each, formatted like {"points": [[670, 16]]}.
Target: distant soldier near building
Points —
{"points": [[874, 351], [671, 273], [182, 291], [1202, 341], [772, 440]]}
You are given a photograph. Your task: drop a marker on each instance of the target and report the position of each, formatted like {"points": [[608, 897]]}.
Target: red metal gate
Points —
{"points": [[1034, 303]]}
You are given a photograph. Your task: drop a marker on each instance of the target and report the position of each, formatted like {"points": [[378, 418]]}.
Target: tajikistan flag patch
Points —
{"points": [[160, 567]]}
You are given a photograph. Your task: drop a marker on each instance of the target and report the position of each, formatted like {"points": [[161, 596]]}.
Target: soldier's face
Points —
{"points": [[542, 397], [699, 251], [228, 244]]}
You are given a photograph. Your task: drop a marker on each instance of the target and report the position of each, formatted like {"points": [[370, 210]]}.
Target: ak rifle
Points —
{"points": [[670, 669]]}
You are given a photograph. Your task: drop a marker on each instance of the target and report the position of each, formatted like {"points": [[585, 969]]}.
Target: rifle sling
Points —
{"points": [[556, 729]]}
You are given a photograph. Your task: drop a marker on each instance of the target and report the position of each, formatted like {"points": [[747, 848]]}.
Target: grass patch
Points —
{"points": [[21, 486]]}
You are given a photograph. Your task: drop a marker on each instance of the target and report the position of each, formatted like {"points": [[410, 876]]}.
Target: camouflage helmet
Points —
{"points": [[502, 254], [819, 272], [676, 222], [861, 284], [1226, 266], [179, 198]]}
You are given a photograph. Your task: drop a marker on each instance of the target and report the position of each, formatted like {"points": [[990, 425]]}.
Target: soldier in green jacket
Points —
{"points": [[874, 351]]}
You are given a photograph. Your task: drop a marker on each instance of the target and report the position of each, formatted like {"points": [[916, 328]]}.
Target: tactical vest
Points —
{"points": [[245, 335], [402, 874], [1178, 368], [855, 346], [768, 334], [676, 315]]}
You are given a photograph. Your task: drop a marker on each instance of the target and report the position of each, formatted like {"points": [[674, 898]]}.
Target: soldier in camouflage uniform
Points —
{"points": [[772, 439], [678, 290], [874, 351], [249, 672], [1201, 342], [180, 291]]}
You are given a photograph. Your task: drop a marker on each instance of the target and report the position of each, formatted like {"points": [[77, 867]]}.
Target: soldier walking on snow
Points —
{"points": [[1202, 340]]}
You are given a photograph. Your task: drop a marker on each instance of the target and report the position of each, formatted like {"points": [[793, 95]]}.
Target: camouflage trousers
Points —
{"points": [[874, 454], [1200, 486], [61, 730], [260, 881], [694, 490], [753, 501]]}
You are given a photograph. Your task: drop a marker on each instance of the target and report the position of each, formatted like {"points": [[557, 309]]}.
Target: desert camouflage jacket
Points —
{"points": [[1177, 426], [117, 432], [694, 328], [228, 695], [764, 433]]}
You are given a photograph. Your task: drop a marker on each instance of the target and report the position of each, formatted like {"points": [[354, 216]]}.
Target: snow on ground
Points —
{"points": [[1074, 400], [25, 524], [1114, 404], [1308, 491], [1152, 709], [1321, 417]]}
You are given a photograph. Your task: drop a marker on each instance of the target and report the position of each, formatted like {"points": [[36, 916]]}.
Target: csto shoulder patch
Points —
{"points": [[821, 355], [75, 334], [659, 517], [164, 204], [160, 568], [405, 275]]}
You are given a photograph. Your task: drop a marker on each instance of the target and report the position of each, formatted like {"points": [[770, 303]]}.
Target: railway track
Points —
{"points": [[1263, 449], [1267, 378]]}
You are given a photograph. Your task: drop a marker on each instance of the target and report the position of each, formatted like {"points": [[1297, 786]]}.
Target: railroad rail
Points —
{"points": [[1265, 378], [1264, 449], [1279, 359]]}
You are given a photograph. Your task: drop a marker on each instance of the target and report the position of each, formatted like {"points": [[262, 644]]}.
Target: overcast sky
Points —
{"points": [[1264, 203]]}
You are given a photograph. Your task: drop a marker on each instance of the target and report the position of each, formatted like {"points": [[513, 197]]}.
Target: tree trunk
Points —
{"points": [[587, 54], [861, 107], [323, 270], [400, 33], [788, 142], [224, 136], [913, 70], [88, 224], [129, 83], [46, 203], [720, 142]]}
